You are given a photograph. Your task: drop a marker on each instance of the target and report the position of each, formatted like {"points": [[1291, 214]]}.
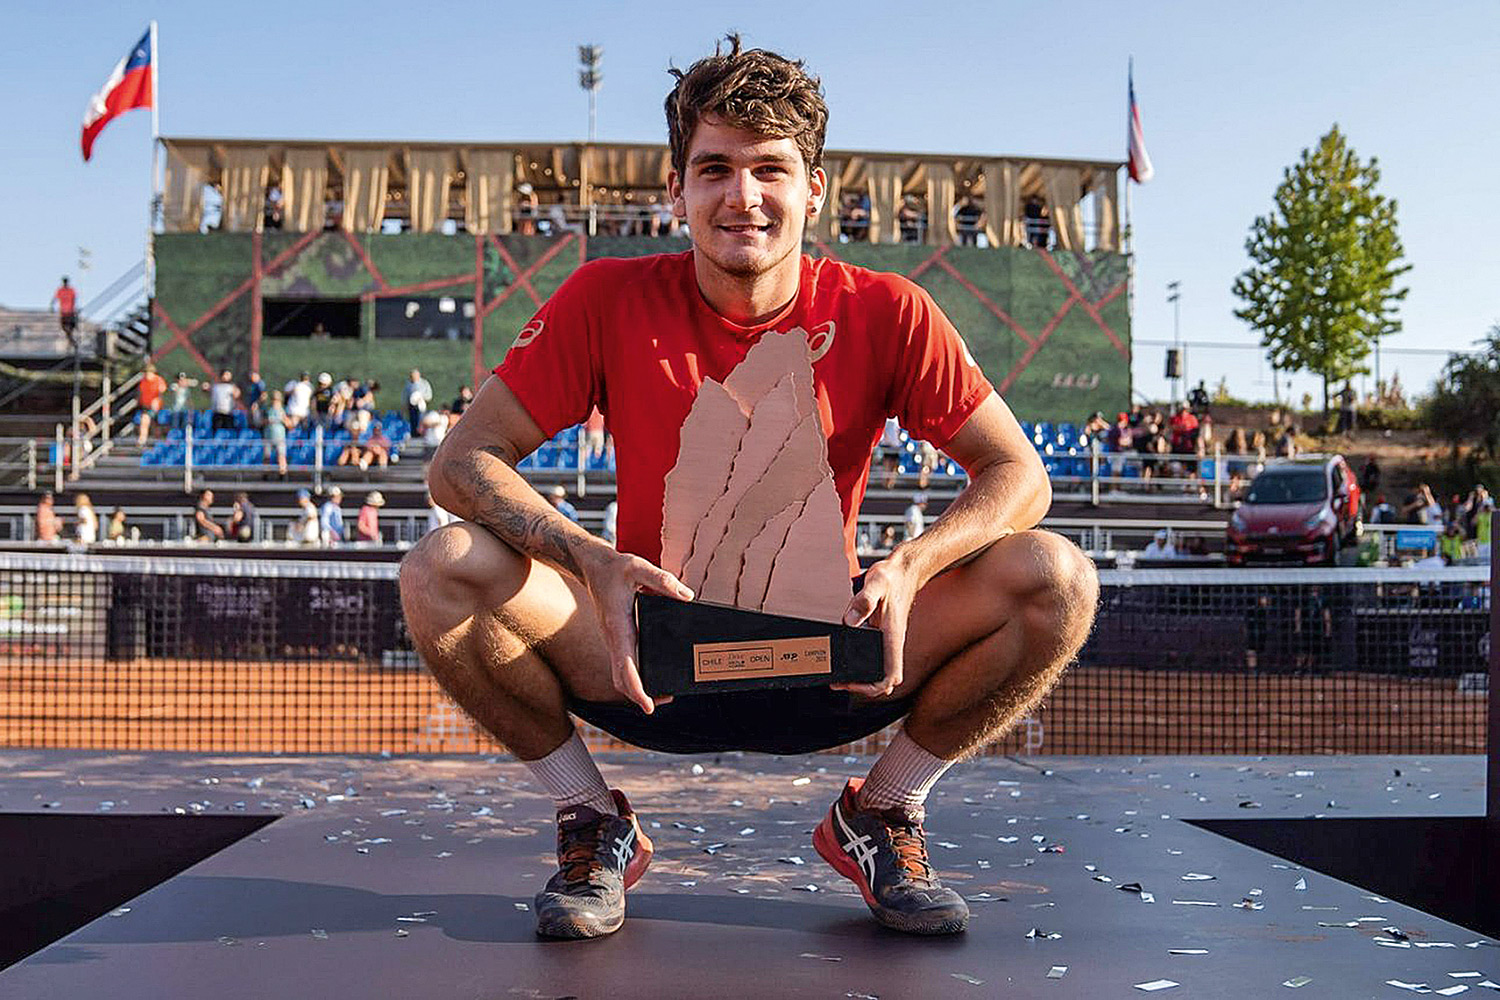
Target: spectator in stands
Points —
{"points": [[968, 215], [1160, 546], [65, 300], [341, 405], [1038, 224], [558, 497], [1120, 443], [367, 524], [1422, 507], [378, 448], [364, 394], [418, 396], [148, 393], [437, 517], [274, 431], [663, 220], [299, 394], [888, 538], [461, 403], [255, 394], [434, 427], [331, 518], [116, 530], [526, 209], [182, 402], [205, 528], [916, 520], [243, 520], [1198, 398], [86, 528], [1483, 523], [1451, 543], [49, 524], [1097, 427], [609, 531], [593, 435], [307, 529], [324, 398], [1285, 444], [223, 396], [854, 217], [910, 218], [1382, 512], [1184, 430]]}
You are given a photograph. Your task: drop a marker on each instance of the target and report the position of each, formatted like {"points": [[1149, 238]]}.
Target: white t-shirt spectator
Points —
{"points": [[434, 427], [221, 397], [891, 436], [916, 522], [438, 517], [299, 398], [1159, 547]]}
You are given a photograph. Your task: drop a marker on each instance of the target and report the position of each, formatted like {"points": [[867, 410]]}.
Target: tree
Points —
{"points": [[1321, 288], [1465, 405]]}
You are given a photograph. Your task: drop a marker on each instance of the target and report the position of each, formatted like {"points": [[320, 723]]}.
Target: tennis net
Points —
{"points": [[237, 655]]}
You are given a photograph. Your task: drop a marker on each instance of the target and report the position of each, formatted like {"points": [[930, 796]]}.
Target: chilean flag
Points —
{"points": [[128, 88], [1140, 162]]}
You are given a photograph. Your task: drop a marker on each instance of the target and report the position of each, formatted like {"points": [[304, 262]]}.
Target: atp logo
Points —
{"points": [[528, 333], [820, 340]]}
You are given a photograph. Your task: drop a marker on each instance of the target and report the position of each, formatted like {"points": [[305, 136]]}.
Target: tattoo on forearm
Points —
{"points": [[532, 531]]}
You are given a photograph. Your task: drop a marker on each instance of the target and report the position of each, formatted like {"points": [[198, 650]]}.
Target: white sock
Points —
{"points": [[572, 778], [902, 777]]}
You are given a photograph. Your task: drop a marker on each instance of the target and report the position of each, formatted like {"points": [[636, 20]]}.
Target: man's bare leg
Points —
{"points": [[985, 641], [509, 638]]}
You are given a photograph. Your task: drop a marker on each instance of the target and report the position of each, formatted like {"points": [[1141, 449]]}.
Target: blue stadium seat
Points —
{"points": [[300, 454], [174, 434], [249, 434], [1206, 468], [241, 420]]}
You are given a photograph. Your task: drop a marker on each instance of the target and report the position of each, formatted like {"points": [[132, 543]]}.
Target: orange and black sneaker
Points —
{"points": [[884, 853], [599, 856]]}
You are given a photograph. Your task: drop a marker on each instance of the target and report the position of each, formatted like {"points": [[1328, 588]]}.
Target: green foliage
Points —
{"points": [[1321, 287], [1465, 405]]}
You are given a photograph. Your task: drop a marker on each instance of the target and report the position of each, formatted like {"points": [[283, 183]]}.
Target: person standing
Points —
{"points": [[222, 397], [916, 520], [148, 393], [65, 301], [49, 524], [305, 529], [206, 529], [182, 391], [115, 530], [558, 498], [367, 524], [86, 530], [418, 395], [299, 394], [331, 517], [275, 429], [255, 393]]}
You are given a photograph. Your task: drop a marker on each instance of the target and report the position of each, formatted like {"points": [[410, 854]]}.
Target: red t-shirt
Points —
{"points": [[66, 297], [636, 338], [149, 389]]}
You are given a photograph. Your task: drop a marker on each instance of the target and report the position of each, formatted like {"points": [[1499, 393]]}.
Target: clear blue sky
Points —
{"points": [[1230, 93]]}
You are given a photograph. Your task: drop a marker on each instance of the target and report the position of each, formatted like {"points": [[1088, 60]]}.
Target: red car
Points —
{"points": [[1301, 510]]}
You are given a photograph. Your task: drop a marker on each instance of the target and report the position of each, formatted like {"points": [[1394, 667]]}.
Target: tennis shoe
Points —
{"points": [[599, 856]]}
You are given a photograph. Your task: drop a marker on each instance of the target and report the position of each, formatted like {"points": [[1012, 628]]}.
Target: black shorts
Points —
{"points": [[799, 720]]}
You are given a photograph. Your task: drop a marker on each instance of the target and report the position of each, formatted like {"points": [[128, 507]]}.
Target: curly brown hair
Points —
{"points": [[754, 90]]}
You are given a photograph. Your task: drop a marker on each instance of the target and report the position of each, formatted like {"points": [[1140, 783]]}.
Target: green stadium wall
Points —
{"points": [[1050, 329]]}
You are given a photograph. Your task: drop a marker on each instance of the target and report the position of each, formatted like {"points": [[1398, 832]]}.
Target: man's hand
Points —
{"points": [[885, 601], [612, 579]]}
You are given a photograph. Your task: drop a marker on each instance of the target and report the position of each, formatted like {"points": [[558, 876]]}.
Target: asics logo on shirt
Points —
{"points": [[820, 340], [528, 333]]}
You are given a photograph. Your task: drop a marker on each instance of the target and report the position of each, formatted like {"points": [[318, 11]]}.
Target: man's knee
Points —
{"points": [[456, 567], [1058, 584]]}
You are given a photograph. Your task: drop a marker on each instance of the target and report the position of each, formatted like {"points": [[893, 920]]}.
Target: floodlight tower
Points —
{"points": [[590, 76]]}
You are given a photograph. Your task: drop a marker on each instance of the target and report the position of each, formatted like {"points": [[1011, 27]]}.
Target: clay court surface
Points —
{"points": [[346, 706]]}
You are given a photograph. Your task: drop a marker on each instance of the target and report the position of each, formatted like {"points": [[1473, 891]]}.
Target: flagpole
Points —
{"points": [[156, 190], [1129, 239]]}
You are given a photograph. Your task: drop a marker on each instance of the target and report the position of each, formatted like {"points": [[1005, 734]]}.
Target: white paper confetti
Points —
{"points": [[1155, 984], [1197, 877], [961, 977], [801, 781], [1187, 951], [1413, 987], [1297, 982], [1057, 972], [1452, 991], [1301, 885]]}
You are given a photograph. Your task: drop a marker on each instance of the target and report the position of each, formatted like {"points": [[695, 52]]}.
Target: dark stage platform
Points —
{"points": [[413, 878]]}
